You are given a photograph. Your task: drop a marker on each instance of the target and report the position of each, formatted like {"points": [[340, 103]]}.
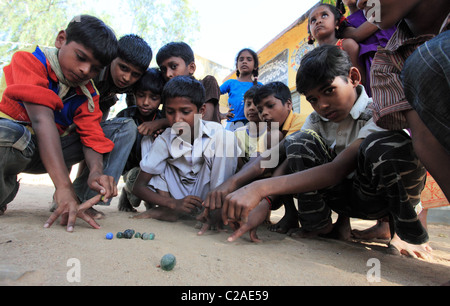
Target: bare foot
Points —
{"points": [[158, 213], [302, 233], [400, 247], [378, 231], [341, 229], [124, 203], [287, 223]]}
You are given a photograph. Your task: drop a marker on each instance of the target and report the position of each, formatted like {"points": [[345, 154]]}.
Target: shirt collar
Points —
{"points": [[288, 122]]}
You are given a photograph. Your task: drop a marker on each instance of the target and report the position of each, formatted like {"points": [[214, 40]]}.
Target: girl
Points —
{"points": [[366, 34], [247, 66], [326, 25]]}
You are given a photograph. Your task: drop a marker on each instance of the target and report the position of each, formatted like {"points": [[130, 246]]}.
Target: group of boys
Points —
{"points": [[339, 159]]}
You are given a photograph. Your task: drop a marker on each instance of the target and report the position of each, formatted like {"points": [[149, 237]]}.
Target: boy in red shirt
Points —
{"points": [[50, 120]]}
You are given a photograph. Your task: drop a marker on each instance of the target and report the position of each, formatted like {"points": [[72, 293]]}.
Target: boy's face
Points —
{"points": [[175, 66], [77, 62], [271, 109], [390, 11], [335, 100], [124, 74], [250, 111], [147, 102], [180, 112]]}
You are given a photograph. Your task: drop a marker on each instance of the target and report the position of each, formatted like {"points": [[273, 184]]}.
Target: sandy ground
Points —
{"points": [[32, 255]]}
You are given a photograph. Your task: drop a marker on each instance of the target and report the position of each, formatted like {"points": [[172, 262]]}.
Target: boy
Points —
{"points": [[48, 90], [251, 137], [148, 92], [177, 58], [395, 105], [274, 104], [351, 167], [187, 160], [133, 58]]}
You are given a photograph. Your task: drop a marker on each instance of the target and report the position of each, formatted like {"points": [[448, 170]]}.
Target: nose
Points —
{"points": [[178, 117], [84, 68], [126, 77]]}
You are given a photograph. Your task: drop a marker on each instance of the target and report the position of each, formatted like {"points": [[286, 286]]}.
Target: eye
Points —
{"points": [[328, 91]]}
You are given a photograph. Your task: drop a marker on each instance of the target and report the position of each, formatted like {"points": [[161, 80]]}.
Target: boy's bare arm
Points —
{"points": [[50, 150], [248, 173], [141, 190], [104, 184], [238, 204]]}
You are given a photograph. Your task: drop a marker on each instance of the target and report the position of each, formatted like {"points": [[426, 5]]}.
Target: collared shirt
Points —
{"points": [[389, 99], [211, 144], [357, 125], [293, 123]]}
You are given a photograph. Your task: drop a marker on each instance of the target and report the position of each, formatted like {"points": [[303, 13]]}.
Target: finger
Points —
{"points": [[52, 218], [254, 236], [72, 218], [88, 219], [240, 231], [89, 203], [204, 228], [225, 208], [217, 201]]}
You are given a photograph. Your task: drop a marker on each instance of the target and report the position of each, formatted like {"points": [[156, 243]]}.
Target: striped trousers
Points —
{"points": [[388, 181]]}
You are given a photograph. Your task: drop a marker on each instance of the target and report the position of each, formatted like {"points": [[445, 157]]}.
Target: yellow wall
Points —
{"points": [[279, 60]]}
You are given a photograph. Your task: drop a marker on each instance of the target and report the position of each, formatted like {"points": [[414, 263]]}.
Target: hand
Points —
{"points": [[188, 204], [69, 209], [238, 204], [216, 197], [103, 184], [210, 219], [255, 218], [230, 115]]}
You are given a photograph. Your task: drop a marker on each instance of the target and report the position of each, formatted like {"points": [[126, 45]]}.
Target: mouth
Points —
{"points": [[122, 84], [146, 110], [78, 79], [331, 115]]}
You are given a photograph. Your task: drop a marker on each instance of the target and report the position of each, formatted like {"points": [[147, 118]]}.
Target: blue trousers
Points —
{"points": [[19, 153]]}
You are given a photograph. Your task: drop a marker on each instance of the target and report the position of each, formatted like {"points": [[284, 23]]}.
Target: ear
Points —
{"points": [[288, 104], [191, 68], [202, 110], [61, 39], [355, 76]]}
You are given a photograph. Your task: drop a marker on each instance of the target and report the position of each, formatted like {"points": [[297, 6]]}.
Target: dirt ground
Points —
{"points": [[32, 255]]}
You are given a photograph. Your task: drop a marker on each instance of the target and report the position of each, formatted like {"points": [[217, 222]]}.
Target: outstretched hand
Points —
{"points": [[255, 218], [70, 210]]}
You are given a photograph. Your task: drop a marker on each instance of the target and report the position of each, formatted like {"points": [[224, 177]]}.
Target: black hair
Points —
{"points": [[184, 86], [134, 50], [250, 94], [278, 89], [321, 66], [152, 80], [256, 65], [95, 35], [338, 16], [175, 49]]}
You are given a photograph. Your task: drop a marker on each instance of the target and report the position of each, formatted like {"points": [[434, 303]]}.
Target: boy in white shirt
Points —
{"points": [[189, 159]]}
